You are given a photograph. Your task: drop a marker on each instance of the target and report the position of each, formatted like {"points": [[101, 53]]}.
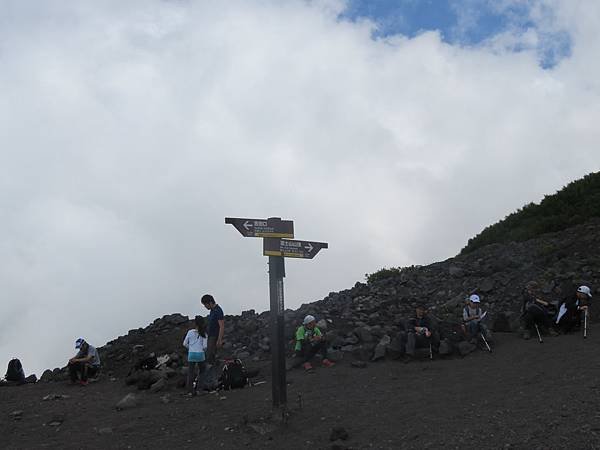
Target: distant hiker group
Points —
{"points": [[540, 316], [421, 334]]}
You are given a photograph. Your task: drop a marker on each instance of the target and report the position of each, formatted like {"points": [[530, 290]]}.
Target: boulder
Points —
{"points": [[158, 386], [380, 348], [338, 433], [128, 402], [464, 348], [445, 348], [47, 376]]}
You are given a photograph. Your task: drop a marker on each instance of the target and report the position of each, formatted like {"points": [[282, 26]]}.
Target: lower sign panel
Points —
{"points": [[292, 248]]}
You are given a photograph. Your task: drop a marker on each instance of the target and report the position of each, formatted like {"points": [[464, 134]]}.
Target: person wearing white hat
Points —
{"points": [[309, 342], [472, 317], [86, 363], [572, 308]]}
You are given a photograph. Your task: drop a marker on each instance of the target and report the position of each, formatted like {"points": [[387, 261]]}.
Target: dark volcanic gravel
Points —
{"points": [[526, 395]]}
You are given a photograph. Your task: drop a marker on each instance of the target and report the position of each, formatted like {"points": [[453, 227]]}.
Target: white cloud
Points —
{"points": [[130, 130]]}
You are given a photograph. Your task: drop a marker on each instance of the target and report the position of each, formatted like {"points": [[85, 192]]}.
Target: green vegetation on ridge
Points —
{"points": [[574, 204]]}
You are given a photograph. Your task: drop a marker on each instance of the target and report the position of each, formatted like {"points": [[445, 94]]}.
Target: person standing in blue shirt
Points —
{"points": [[216, 327]]}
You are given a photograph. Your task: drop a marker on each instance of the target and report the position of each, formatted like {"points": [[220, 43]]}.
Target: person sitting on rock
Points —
{"points": [[420, 333], [472, 317], [310, 341], [535, 312], [572, 308], [196, 341], [86, 363]]}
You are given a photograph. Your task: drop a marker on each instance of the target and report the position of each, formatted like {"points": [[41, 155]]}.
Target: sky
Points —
{"points": [[394, 131]]}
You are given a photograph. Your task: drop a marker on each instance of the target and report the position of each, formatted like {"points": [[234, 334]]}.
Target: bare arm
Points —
{"points": [[221, 332]]}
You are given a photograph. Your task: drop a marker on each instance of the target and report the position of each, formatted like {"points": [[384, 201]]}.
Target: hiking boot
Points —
{"points": [[406, 359], [307, 366], [526, 334], [327, 363], [552, 332], [83, 383]]}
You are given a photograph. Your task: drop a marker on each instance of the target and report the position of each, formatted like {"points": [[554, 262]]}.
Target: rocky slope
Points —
{"points": [[363, 322]]}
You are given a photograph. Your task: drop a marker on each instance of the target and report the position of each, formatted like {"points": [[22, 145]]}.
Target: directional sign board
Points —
{"points": [[290, 248], [265, 228]]}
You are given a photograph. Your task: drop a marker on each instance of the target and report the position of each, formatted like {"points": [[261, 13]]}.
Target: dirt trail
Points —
{"points": [[526, 395]]}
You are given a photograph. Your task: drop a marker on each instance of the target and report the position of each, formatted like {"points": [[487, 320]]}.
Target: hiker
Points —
{"points": [[310, 341], [421, 333], [572, 308], [85, 364], [195, 341], [535, 312], [472, 317], [216, 328]]}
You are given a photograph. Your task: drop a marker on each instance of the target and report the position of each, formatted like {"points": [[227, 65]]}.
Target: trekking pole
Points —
{"points": [[430, 352], [538, 333], [585, 324], [486, 342]]}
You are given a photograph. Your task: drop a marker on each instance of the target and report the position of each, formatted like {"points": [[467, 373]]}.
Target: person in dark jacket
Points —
{"points": [[572, 309], [420, 333], [535, 311]]}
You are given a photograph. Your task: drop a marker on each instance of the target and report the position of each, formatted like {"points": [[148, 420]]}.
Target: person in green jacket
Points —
{"points": [[310, 341]]}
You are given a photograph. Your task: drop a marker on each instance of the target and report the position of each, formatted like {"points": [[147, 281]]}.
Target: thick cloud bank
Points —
{"points": [[129, 130]]}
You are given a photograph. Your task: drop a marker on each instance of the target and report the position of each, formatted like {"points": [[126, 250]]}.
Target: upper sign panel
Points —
{"points": [[265, 228]]}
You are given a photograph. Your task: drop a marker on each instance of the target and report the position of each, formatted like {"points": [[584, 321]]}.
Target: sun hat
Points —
{"points": [[308, 319], [585, 290], [474, 298]]}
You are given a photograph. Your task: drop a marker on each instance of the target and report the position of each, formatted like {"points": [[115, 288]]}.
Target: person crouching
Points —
{"points": [[86, 363], [309, 342]]}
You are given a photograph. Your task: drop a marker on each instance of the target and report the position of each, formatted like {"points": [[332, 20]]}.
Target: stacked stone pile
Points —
{"points": [[363, 323]]}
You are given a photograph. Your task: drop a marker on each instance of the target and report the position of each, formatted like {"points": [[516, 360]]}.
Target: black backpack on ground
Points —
{"points": [[15, 371], [234, 375]]}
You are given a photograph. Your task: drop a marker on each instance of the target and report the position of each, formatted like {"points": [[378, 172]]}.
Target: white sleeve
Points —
{"points": [[186, 341], [204, 343]]}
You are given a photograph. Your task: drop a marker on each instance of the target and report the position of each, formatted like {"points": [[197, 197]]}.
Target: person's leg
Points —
{"points": [[73, 372], [201, 375], [84, 372], [527, 322], [211, 350], [93, 371], [435, 340], [190, 377], [309, 350], [411, 343], [472, 329]]}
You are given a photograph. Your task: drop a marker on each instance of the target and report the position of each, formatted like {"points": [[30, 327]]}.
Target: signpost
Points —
{"points": [[273, 230]]}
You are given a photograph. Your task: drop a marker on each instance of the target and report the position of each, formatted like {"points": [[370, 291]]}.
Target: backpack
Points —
{"points": [[15, 371], [234, 375]]}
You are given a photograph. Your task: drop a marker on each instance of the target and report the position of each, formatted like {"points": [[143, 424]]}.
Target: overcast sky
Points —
{"points": [[394, 131]]}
